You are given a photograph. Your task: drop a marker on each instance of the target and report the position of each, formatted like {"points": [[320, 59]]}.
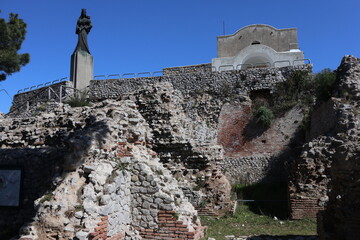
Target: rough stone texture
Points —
{"points": [[187, 69], [253, 155], [183, 148], [107, 169], [327, 166], [341, 218], [206, 94], [310, 177], [238, 82]]}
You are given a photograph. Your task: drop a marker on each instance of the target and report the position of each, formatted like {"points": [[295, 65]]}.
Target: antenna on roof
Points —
{"points": [[223, 27]]}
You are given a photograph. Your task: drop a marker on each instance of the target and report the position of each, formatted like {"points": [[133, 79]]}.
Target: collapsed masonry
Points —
{"points": [[192, 160], [184, 134], [326, 177], [102, 180]]}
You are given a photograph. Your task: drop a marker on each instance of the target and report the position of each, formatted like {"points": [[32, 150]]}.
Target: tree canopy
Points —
{"points": [[12, 35]]}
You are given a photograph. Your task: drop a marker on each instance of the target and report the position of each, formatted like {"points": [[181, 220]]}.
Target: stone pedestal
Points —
{"points": [[82, 69]]}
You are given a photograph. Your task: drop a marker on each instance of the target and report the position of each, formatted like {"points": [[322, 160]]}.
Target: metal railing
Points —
{"points": [[226, 67], [43, 85], [128, 75], [52, 94], [283, 61]]}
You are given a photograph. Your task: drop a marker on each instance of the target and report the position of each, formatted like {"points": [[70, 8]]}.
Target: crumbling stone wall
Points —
{"points": [[325, 179], [187, 69], [182, 147], [207, 94], [237, 82], [253, 154], [340, 220], [112, 183]]}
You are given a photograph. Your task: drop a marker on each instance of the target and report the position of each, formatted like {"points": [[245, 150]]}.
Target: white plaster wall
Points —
{"points": [[255, 54]]}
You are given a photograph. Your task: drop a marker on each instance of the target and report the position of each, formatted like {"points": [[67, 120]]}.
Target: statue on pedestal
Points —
{"points": [[82, 62], [83, 27]]}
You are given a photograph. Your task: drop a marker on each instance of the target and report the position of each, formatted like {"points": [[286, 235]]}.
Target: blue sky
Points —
{"points": [[148, 35]]}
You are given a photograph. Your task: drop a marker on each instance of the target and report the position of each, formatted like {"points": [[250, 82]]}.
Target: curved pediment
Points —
{"points": [[281, 40]]}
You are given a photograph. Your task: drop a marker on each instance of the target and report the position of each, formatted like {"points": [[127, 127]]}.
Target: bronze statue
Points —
{"points": [[83, 27]]}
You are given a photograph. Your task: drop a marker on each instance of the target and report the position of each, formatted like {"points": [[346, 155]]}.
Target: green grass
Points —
{"points": [[247, 223]]}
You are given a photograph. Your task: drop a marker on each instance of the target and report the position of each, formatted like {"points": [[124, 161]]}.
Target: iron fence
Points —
{"points": [[226, 67], [42, 85]]}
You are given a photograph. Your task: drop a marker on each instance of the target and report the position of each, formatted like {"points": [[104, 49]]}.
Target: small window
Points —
{"points": [[255, 42]]}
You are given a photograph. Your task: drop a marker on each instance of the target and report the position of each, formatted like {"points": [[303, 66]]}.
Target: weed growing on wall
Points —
{"points": [[298, 89], [264, 116], [79, 99]]}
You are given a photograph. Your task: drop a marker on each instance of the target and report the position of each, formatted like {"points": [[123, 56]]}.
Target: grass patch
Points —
{"points": [[247, 223]]}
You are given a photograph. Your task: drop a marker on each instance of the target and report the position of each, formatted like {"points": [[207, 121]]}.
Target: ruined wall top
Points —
{"points": [[281, 40]]}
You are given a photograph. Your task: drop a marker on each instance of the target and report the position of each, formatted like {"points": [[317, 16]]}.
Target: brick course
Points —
{"points": [[101, 232], [171, 229]]}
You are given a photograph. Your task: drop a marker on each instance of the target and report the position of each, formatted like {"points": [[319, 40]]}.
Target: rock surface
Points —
{"points": [[109, 174]]}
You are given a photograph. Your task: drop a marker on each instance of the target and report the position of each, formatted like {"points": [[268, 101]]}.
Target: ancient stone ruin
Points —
{"points": [[152, 154]]}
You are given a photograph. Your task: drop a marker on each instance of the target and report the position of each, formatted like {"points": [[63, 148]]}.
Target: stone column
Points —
{"points": [[81, 69]]}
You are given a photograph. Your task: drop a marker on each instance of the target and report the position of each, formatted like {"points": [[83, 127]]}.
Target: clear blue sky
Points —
{"points": [[148, 35]]}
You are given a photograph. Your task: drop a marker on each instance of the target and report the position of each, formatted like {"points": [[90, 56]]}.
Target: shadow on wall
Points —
{"points": [[44, 168], [39, 167], [264, 198], [270, 195]]}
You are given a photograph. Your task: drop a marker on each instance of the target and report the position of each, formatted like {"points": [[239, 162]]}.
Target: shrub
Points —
{"points": [[264, 116], [297, 89], [79, 99], [325, 81]]}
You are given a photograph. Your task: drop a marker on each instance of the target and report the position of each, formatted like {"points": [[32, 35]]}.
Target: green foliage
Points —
{"points": [[12, 34], [203, 203], [199, 184], [325, 81], [298, 89], [79, 208], [176, 216], [120, 164], [79, 99], [264, 116], [194, 219], [47, 197]]}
